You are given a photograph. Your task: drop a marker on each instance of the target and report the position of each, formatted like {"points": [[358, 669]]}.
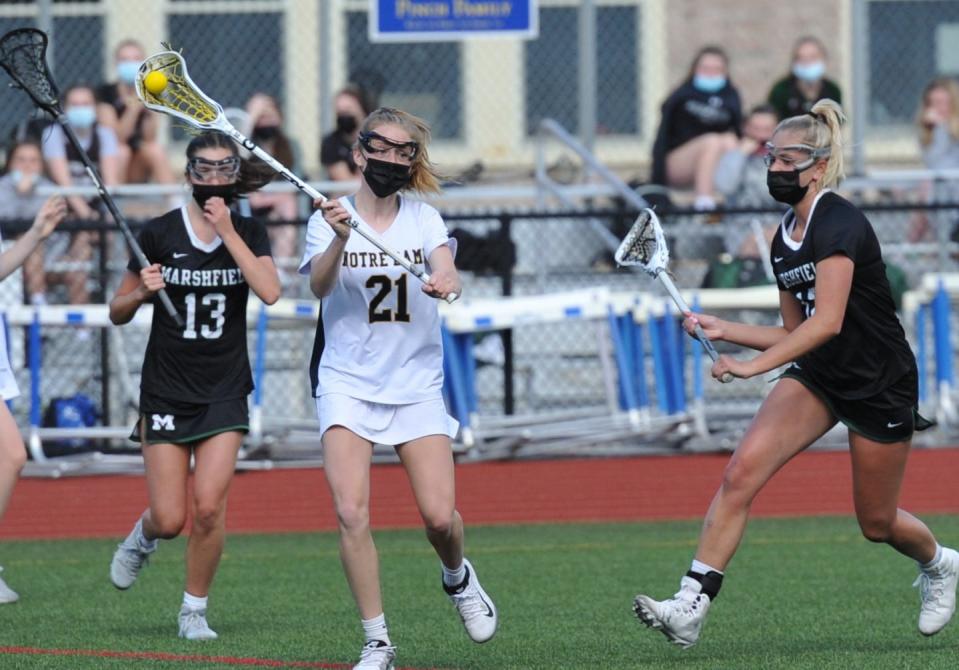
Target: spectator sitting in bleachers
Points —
{"points": [[741, 175], [141, 159], [266, 130], [806, 83], [352, 106], [19, 202], [66, 169], [741, 179], [938, 124], [700, 122]]}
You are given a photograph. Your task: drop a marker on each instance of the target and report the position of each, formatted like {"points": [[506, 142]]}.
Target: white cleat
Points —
{"points": [[937, 593], [475, 607], [193, 625], [376, 655], [129, 558], [7, 595], [680, 618]]}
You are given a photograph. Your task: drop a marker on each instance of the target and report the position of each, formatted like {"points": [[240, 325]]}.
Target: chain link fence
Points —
{"points": [[600, 68]]}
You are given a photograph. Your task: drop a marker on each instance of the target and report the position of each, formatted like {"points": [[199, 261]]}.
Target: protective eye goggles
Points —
{"points": [[203, 169], [373, 143], [774, 153]]}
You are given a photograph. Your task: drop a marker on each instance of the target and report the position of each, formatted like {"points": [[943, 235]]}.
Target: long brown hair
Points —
{"points": [[425, 177], [950, 86], [253, 175]]}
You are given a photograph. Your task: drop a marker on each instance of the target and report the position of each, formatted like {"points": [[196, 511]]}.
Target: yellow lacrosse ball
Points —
{"points": [[155, 82]]}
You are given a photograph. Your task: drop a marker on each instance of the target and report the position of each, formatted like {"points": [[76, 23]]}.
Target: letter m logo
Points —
{"points": [[162, 422]]}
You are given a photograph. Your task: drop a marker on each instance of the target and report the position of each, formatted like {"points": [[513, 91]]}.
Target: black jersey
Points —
{"points": [[206, 359], [870, 353]]}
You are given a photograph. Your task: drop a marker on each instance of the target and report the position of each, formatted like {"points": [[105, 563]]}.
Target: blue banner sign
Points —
{"points": [[451, 20]]}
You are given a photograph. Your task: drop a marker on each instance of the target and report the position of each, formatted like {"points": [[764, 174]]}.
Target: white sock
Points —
{"points": [[934, 563], [375, 629], [454, 577], [701, 568], [194, 603]]}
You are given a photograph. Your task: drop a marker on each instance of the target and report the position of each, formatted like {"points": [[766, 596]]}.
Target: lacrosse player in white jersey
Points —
{"points": [[13, 455], [377, 366]]}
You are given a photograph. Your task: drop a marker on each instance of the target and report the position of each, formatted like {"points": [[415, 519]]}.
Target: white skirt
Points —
{"points": [[8, 383], [385, 424]]}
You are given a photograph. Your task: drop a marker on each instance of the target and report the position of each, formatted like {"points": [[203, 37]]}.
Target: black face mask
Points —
{"points": [[386, 178], [784, 186], [203, 192], [345, 123], [265, 132]]}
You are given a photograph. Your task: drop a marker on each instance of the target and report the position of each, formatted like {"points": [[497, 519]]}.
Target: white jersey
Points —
{"points": [[8, 383], [378, 338]]}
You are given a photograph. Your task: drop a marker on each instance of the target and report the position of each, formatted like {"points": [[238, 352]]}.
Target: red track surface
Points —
{"points": [[622, 489]]}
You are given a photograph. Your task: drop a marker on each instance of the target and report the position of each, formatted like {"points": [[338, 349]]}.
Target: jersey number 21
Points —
{"points": [[385, 286]]}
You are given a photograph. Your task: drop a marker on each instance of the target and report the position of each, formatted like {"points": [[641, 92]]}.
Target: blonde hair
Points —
{"points": [[951, 87], [821, 128], [424, 176]]}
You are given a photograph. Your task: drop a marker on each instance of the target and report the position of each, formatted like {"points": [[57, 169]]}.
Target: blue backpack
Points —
{"points": [[77, 411]]}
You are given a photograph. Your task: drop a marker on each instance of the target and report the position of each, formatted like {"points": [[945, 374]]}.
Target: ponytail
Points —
{"points": [[830, 114], [821, 128]]}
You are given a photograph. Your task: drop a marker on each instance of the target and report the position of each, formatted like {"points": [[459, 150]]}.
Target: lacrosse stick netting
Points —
{"points": [[645, 246]]}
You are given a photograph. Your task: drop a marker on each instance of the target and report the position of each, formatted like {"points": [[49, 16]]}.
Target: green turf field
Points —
{"points": [[802, 593]]}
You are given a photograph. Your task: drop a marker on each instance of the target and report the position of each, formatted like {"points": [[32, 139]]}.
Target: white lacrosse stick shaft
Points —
{"points": [[419, 273]]}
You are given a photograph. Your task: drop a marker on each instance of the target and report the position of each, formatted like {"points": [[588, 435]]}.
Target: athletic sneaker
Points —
{"points": [[7, 595], [193, 625], [937, 593], [475, 607], [376, 655], [129, 558], [680, 618]]}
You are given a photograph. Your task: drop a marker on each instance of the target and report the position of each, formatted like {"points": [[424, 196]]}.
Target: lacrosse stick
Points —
{"points": [[181, 98], [23, 54], [645, 246]]}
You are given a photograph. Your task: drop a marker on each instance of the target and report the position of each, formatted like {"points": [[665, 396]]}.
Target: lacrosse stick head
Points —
{"points": [[23, 54], [180, 98], [644, 245]]}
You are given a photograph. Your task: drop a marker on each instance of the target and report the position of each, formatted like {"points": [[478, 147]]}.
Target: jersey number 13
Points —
{"points": [[208, 331]]}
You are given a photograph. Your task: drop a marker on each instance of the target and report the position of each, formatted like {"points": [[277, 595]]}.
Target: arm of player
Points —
{"points": [[833, 283], [49, 217], [444, 278], [325, 267], [259, 271], [759, 338], [134, 290]]}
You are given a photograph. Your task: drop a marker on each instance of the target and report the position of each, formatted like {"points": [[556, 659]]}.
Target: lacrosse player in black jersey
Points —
{"points": [[196, 376], [848, 360]]}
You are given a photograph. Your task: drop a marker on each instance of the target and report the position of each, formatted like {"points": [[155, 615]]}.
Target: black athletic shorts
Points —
{"points": [[890, 416], [173, 422]]}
